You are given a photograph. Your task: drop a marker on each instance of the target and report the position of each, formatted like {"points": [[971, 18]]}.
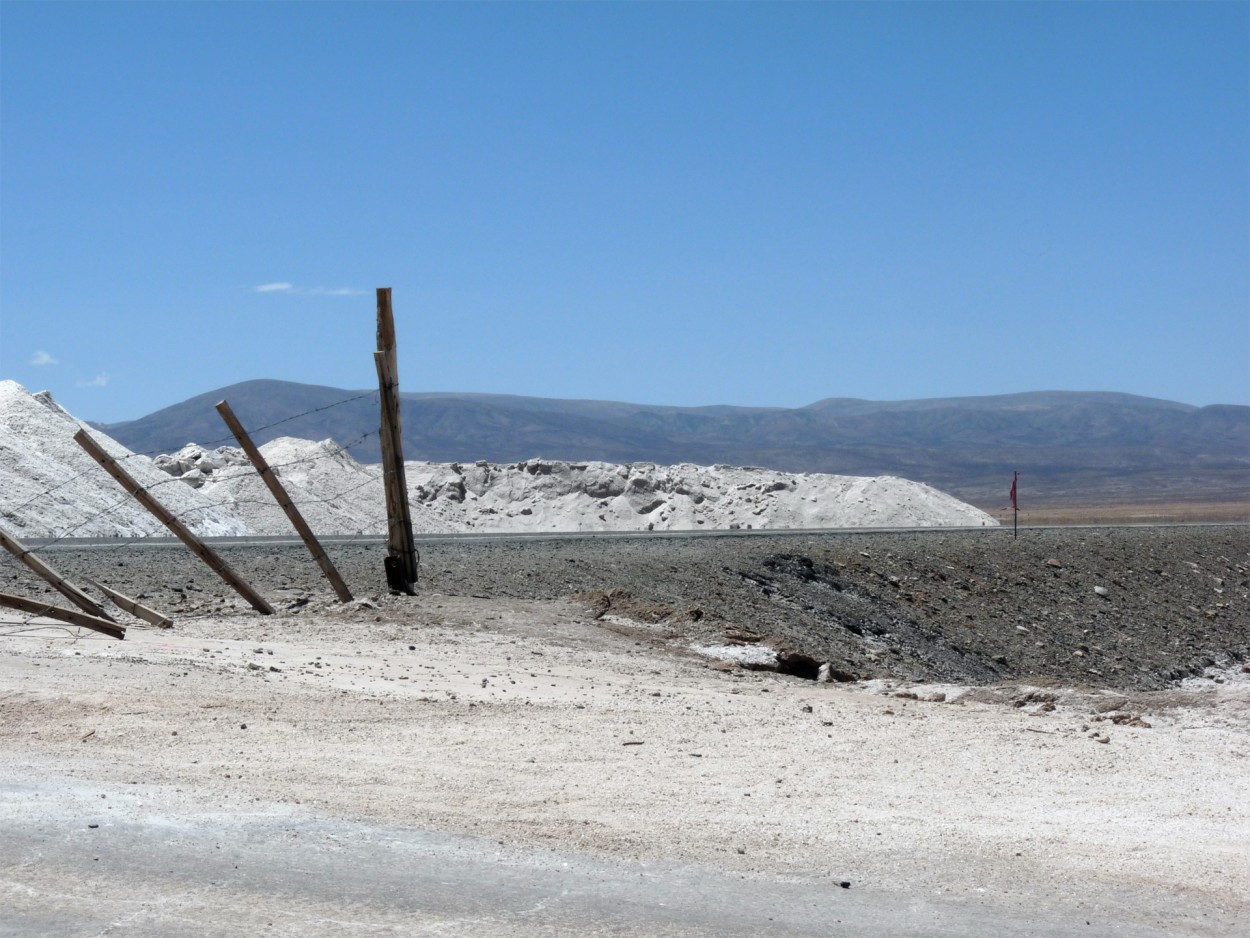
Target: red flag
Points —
{"points": [[1014, 476]]}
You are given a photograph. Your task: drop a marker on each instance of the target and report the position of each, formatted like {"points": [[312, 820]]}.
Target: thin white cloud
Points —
{"points": [[292, 289], [42, 358], [336, 291], [98, 381]]}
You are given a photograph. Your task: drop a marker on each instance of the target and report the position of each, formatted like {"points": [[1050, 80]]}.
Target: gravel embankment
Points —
{"points": [[1106, 607]]}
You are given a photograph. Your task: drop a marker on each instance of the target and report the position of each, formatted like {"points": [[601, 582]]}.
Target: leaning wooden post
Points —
{"points": [[133, 606], [107, 626], [401, 561], [166, 517], [278, 490], [76, 596]]}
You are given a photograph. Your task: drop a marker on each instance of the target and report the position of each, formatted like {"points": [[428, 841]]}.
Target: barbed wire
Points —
{"points": [[151, 529], [210, 444], [276, 423], [339, 450]]}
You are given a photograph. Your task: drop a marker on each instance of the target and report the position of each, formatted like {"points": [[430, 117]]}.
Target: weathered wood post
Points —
{"points": [[73, 617], [278, 490], [133, 606], [166, 517], [77, 596], [401, 560]]}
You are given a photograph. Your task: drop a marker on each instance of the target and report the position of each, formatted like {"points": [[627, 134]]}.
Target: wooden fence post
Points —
{"points": [[166, 517], [278, 490], [77, 596], [133, 606], [107, 626], [401, 561]]}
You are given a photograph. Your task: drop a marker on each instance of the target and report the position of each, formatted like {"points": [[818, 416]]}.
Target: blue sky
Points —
{"points": [[757, 204]]}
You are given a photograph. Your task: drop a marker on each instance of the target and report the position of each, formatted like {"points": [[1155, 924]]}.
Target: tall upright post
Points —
{"points": [[1015, 506], [167, 518], [278, 490], [401, 560]]}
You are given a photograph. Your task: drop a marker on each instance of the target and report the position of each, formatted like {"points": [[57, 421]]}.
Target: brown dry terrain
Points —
{"points": [[1235, 511]]}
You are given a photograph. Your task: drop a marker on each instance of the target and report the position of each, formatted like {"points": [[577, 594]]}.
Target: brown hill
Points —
{"points": [[1072, 449]]}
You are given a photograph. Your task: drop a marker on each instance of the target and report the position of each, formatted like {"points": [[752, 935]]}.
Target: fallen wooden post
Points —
{"points": [[107, 626], [75, 595], [276, 487], [401, 561], [166, 517], [133, 606]]}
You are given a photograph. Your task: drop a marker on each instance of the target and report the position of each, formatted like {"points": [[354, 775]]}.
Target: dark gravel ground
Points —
{"points": [[1129, 607]]}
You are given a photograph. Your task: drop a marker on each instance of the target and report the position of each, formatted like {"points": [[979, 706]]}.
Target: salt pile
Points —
{"points": [[50, 487], [216, 492]]}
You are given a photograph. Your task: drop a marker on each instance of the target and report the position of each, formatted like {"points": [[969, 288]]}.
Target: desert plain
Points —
{"points": [[557, 736]]}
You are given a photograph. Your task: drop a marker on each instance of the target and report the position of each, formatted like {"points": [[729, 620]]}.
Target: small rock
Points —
{"points": [[1102, 591], [1055, 564], [845, 884], [93, 826]]}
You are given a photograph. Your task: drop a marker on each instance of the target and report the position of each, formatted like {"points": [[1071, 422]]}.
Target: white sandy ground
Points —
{"points": [[49, 487], [512, 721]]}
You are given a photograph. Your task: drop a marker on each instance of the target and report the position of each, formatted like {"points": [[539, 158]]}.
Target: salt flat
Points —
{"points": [[529, 727]]}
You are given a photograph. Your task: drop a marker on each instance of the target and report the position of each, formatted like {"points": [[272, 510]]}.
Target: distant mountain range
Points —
{"points": [[1069, 447]]}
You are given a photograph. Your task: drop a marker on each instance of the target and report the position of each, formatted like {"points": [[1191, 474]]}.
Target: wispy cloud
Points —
{"points": [[98, 381], [292, 289], [335, 291], [42, 358]]}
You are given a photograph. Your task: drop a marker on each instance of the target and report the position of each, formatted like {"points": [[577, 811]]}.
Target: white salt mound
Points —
{"points": [[216, 492], [50, 487]]}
